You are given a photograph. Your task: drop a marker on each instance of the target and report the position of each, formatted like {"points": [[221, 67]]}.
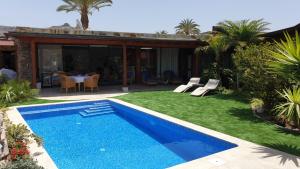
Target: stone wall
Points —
{"points": [[4, 152], [24, 62]]}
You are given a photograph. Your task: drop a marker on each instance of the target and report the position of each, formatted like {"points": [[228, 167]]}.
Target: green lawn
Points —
{"points": [[228, 114]]}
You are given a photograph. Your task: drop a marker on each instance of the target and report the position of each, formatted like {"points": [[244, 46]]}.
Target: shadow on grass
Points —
{"points": [[284, 157], [232, 96], [245, 114], [287, 131]]}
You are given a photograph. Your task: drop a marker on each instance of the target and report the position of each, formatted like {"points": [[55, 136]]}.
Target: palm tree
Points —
{"points": [[187, 27], [242, 33], [162, 33], [84, 7]]}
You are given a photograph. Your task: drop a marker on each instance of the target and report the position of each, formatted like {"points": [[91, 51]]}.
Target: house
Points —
{"points": [[121, 58], [7, 49], [279, 34]]}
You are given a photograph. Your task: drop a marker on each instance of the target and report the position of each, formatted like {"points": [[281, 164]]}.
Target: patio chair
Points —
{"points": [[67, 83], [183, 88], [212, 84], [91, 82]]}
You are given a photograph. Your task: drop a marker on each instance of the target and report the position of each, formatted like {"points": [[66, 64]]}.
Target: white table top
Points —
{"points": [[79, 78]]}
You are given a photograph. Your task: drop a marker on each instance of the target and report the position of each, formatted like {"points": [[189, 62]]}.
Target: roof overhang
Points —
{"points": [[103, 38], [290, 30], [7, 43]]}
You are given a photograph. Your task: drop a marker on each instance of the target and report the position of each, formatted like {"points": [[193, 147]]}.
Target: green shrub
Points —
{"points": [[289, 110], [254, 78], [16, 90], [3, 78], [23, 164], [210, 73], [227, 78]]}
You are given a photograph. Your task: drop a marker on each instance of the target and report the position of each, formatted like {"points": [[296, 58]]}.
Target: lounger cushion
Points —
{"points": [[199, 91], [182, 88]]}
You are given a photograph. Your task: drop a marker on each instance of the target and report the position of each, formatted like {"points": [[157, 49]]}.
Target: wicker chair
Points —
{"points": [[91, 82], [67, 83]]}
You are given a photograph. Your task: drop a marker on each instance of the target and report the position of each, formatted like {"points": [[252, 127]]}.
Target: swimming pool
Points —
{"points": [[106, 134]]}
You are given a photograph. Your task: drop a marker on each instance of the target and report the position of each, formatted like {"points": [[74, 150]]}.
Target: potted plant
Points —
{"points": [[125, 89], [257, 105]]}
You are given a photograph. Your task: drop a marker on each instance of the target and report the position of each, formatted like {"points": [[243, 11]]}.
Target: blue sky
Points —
{"points": [[152, 15]]}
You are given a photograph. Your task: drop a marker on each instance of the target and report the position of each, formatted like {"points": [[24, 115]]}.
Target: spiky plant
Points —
{"points": [[84, 7], [188, 27], [242, 33], [290, 109], [287, 57]]}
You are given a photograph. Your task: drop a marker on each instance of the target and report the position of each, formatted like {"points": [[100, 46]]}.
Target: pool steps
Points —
{"points": [[98, 109]]}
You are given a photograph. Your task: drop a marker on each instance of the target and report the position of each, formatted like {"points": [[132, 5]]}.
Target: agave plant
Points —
{"points": [[290, 110], [242, 33], [17, 132], [7, 94], [287, 57], [84, 7], [20, 132]]}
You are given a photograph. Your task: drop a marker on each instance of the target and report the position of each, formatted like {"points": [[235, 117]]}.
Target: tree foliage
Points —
{"points": [[252, 68]]}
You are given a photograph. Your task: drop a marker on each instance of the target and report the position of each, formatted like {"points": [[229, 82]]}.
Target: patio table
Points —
{"points": [[79, 79]]}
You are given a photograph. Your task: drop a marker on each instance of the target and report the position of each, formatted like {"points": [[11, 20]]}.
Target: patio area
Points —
{"points": [[102, 93]]}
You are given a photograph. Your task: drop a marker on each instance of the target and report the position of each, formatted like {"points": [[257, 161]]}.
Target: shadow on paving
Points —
{"points": [[284, 157]]}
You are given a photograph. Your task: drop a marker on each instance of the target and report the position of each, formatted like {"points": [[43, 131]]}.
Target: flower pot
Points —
{"points": [[259, 109], [38, 85], [125, 89]]}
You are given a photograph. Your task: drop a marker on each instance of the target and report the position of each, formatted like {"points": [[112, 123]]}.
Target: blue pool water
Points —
{"points": [[108, 135]]}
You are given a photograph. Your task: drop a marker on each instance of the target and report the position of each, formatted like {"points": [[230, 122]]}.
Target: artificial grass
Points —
{"points": [[229, 114]]}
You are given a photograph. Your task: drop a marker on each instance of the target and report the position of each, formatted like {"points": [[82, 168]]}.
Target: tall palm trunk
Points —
{"points": [[85, 17]]}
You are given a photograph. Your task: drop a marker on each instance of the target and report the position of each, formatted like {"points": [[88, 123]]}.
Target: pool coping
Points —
{"points": [[237, 157]]}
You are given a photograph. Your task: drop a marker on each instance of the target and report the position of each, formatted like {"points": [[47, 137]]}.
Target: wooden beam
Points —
{"points": [[196, 67], [33, 63], [125, 66], [138, 66], [116, 42]]}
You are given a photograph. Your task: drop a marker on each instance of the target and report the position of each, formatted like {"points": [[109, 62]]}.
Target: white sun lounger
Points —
{"points": [[182, 88], [212, 84]]}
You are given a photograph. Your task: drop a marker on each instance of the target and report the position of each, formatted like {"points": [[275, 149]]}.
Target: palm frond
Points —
{"points": [[187, 27], [69, 6], [286, 57], [242, 32], [84, 7]]}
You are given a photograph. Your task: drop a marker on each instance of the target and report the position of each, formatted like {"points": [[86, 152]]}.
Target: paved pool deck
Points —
{"points": [[246, 156], [103, 92]]}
